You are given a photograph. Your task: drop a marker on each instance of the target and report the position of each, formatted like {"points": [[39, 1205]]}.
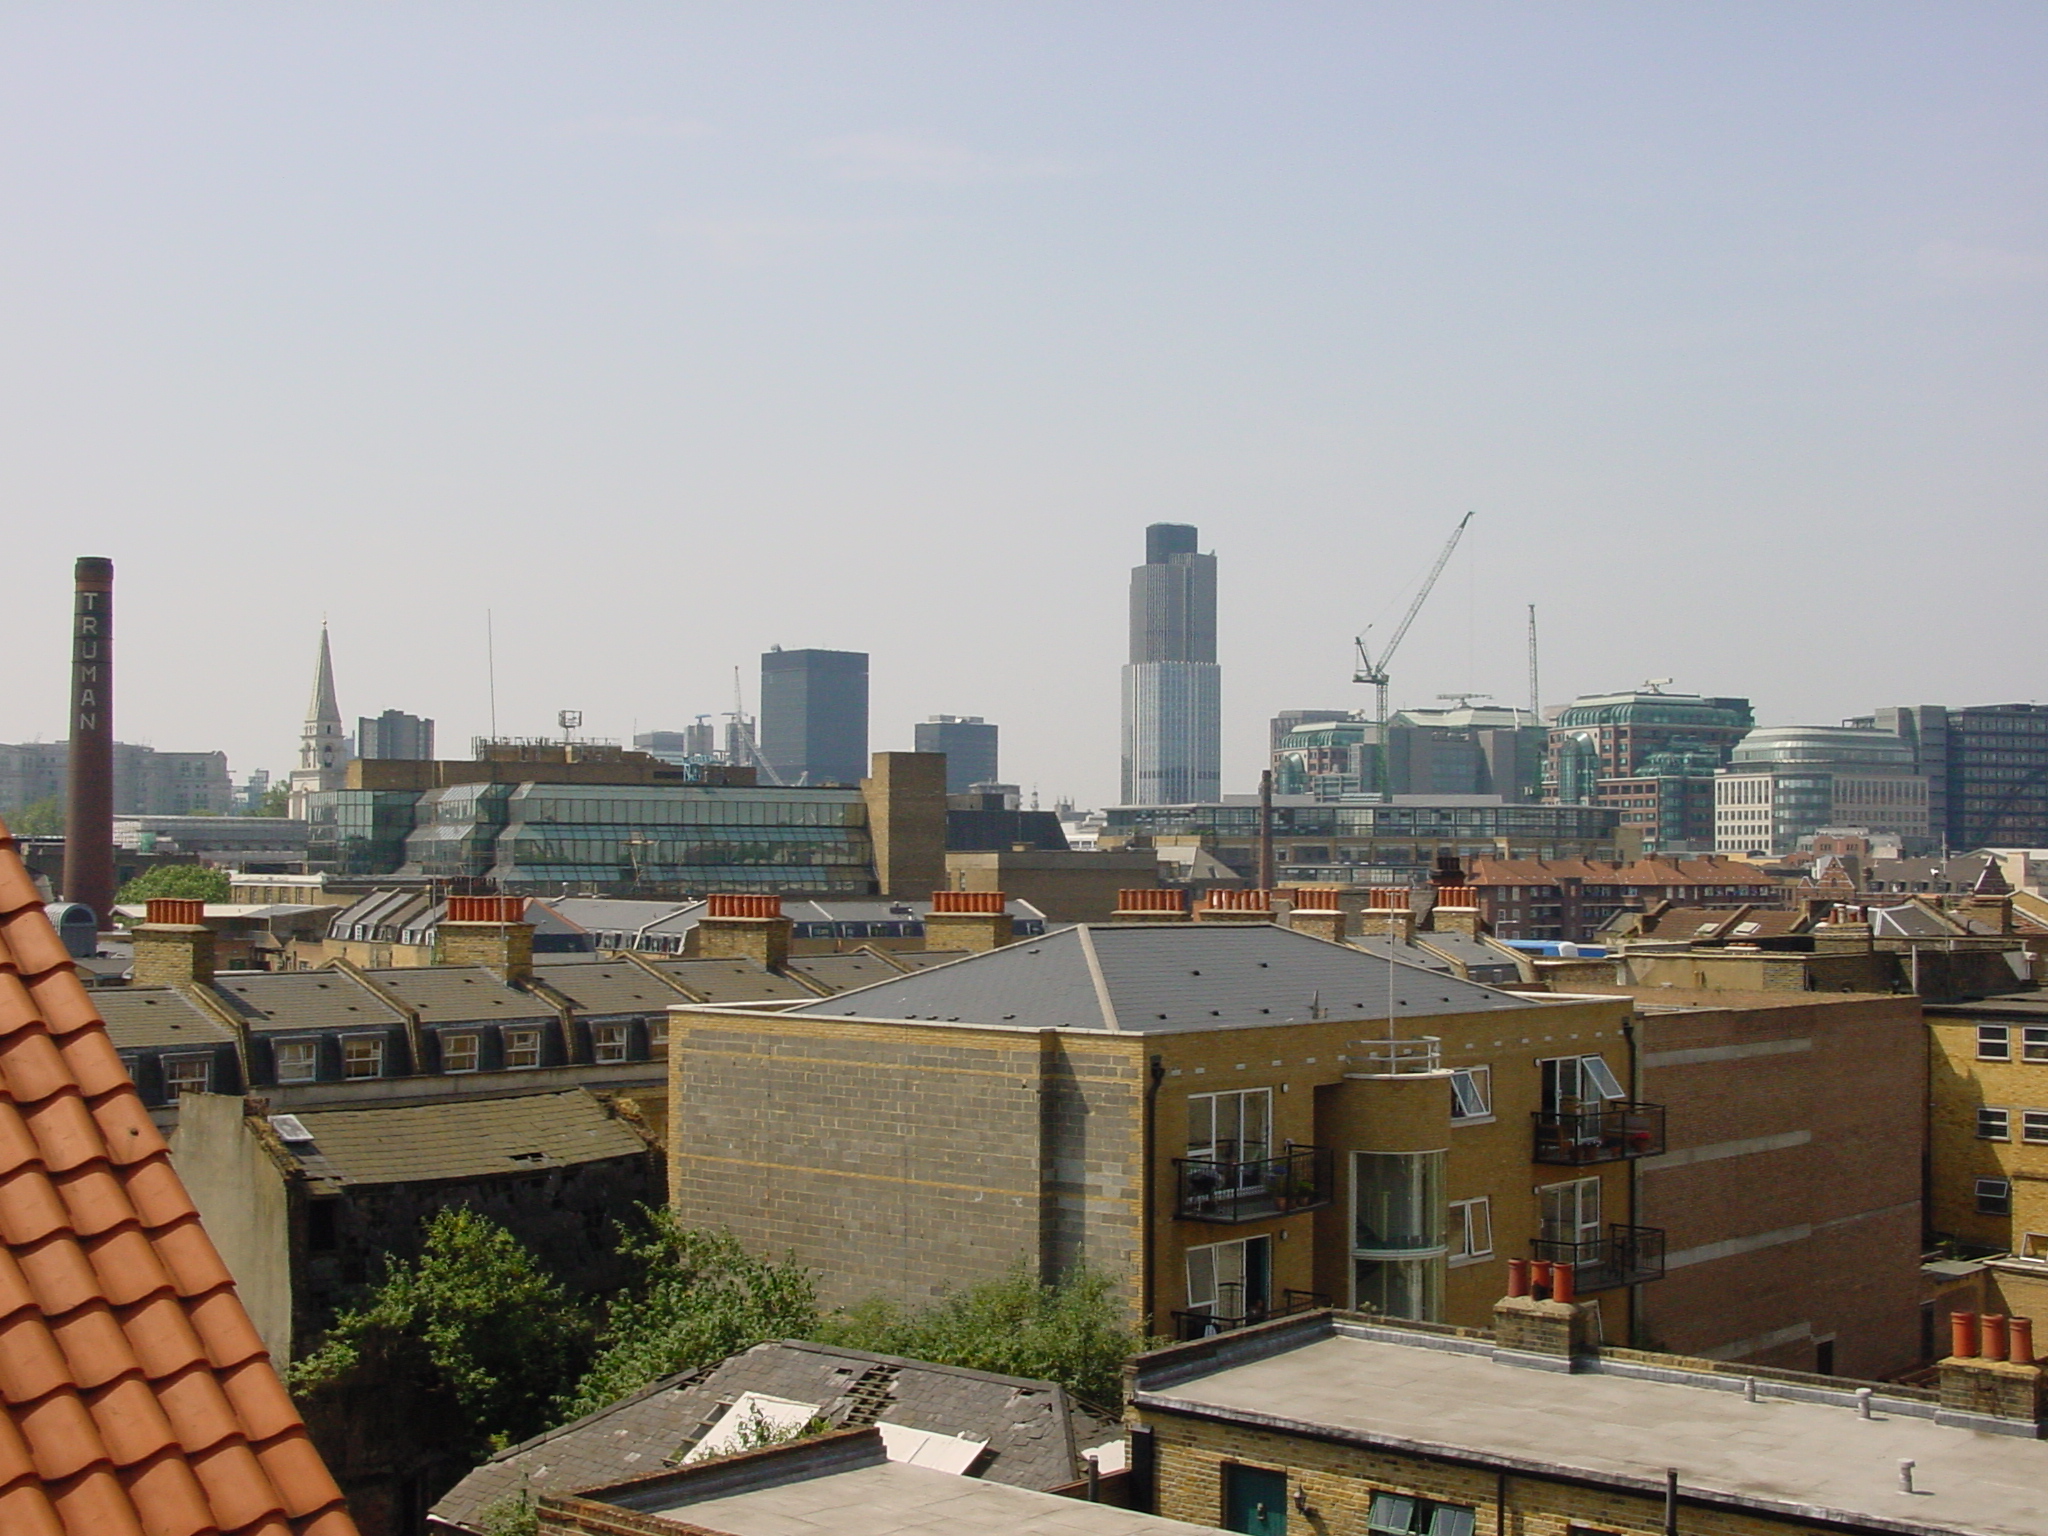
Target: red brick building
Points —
{"points": [[1574, 898]]}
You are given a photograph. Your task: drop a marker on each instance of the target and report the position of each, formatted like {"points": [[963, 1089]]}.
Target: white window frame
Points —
{"points": [[1471, 1095], [611, 1042], [1579, 1224], [2034, 1042], [657, 1031], [520, 1042], [1205, 1149], [475, 1053], [2034, 1126], [1993, 1123], [2032, 1245], [1210, 1267], [1471, 1231], [1996, 1036], [308, 1050], [172, 1064], [351, 1046], [1580, 1073], [1997, 1189]]}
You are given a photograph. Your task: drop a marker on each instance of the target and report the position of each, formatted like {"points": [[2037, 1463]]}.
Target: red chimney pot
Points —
{"points": [[1962, 1333]]}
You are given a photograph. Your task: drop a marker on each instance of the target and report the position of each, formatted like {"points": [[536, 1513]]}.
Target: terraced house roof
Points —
{"points": [[135, 1395], [305, 1000], [144, 1017], [460, 994]]}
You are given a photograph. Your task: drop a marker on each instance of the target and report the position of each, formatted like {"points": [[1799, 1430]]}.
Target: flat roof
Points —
{"points": [[1623, 1422]]}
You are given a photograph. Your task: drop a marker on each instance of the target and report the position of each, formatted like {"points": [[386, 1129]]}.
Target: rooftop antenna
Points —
{"points": [[1535, 693], [1373, 669], [491, 669]]}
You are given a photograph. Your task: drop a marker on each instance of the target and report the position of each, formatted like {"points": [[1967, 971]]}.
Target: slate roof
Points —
{"points": [[287, 1000], [1035, 1430], [840, 973], [729, 981], [923, 959], [134, 1393], [609, 986], [1167, 977], [460, 994], [149, 1017], [459, 1139]]}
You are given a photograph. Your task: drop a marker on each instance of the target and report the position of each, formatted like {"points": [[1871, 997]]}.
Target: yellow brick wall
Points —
{"points": [[1958, 1084]]}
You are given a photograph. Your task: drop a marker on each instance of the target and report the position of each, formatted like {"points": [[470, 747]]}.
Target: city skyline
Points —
{"points": [[587, 332]]}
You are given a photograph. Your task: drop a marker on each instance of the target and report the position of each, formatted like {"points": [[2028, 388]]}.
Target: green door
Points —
{"points": [[1255, 1501]]}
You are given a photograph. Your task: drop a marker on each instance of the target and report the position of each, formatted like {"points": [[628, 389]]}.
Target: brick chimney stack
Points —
{"points": [[1541, 1321], [1317, 912], [491, 931], [1456, 910], [1221, 906], [89, 807], [742, 926], [974, 920], [1151, 906], [1387, 912], [173, 945], [1989, 1380]]}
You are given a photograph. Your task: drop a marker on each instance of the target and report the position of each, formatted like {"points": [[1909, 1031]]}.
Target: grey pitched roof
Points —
{"points": [[143, 1018], [611, 986], [923, 959], [288, 1000], [729, 981], [1035, 1432], [840, 973], [459, 1139], [460, 994], [1167, 977]]}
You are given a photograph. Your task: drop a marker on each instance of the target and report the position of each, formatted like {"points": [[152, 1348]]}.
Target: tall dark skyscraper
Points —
{"points": [[814, 715], [969, 743], [1173, 689], [395, 734]]}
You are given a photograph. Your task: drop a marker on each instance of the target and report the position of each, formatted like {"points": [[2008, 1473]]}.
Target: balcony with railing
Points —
{"points": [[1601, 1131], [1196, 1324], [1227, 1189], [1396, 1058], [1625, 1256]]}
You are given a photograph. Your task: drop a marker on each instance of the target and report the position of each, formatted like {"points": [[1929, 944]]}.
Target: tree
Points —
{"points": [[194, 882], [1073, 1332], [698, 1297], [39, 818], [474, 1320], [276, 801]]}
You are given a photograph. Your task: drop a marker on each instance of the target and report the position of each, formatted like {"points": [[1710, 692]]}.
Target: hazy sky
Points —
{"points": [[672, 331]]}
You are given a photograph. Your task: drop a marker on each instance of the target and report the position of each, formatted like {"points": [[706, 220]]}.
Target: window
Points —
{"points": [[1397, 1514], [2034, 1042], [1571, 1220], [1994, 1124], [1229, 1280], [1398, 1239], [1994, 1042], [187, 1074], [657, 1032], [460, 1053], [1471, 1230], [610, 1042], [1570, 1081], [1472, 1093], [522, 1047], [362, 1057], [1230, 1127], [1994, 1197], [298, 1061], [2034, 1125]]}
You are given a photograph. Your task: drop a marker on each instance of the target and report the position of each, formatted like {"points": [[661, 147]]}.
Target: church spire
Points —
{"points": [[324, 748], [324, 710]]}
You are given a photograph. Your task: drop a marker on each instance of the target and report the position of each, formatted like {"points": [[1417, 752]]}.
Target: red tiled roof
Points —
{"points": [[135, 1396], [1706, 871]]}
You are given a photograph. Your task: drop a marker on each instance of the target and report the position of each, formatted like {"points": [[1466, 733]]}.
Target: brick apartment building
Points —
{"points": [[1573, 899]]}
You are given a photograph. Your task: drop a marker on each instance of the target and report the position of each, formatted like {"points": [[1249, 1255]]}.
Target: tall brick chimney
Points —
{"points": [[89, 808], [743, 926], [906, 799], [491, 931], [976, 920], [173, 945]]}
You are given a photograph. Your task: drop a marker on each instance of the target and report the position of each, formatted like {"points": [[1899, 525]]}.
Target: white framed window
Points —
{"points": [[1571, 1217], [187, 1074], [1573, 1082], [1399, 1236], [461, 1053], [1471, 1231], [1232, 1127], [657, 1032], [1994, 1197], [522, 1048], [2034, 1042], [1400, 1514], [2034, 1125], [1994, 1042], [1993, 1124], [1471, 1093], [363, 1056], [608, 1042], [1230, 1280], [298, 1061], [2034, 1245]]}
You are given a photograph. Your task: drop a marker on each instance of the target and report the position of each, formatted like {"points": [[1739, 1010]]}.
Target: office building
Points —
{"points": [[814, 715], [1786, 782], [1986, 766], [1466, 750], [969, 743], [146, 782], [1173, 691], [1652, 756], [395, 734]]}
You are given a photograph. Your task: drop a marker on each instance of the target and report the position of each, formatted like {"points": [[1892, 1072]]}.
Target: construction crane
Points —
{"points": [[743, 730], [1373, 669]]}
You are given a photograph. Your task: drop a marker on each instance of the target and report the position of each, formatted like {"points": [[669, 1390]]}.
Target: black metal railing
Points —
{"points": [[1211, 1189], [1200, 1325], [1605, 1131], [1625, 1256]]}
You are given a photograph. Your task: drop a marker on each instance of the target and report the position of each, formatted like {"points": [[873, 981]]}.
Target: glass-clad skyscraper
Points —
{"points": [[814, 715], [1173, 691]]}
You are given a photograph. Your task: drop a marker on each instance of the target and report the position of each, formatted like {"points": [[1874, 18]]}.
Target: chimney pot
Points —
{"points": [[1994, 1338], [175, 909], [1564, 1283], [1518, 1277], [1539, 1276], [2019, 1346], [1962, 1333], [989, 902]]}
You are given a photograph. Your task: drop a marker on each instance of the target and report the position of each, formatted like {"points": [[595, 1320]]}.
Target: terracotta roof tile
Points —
{"points": [[135, 1395]]}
